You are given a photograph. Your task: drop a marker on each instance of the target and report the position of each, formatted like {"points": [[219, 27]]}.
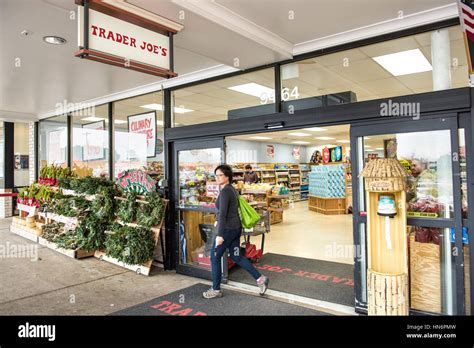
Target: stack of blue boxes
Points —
{"points": [[327, 181]]}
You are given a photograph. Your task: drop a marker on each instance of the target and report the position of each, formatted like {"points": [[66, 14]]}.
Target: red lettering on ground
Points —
{"points": [[337, 279], [183, 312], [349, 282], [171, 308], [324, 278], [301, 273], [162, 303], [200, 314]]}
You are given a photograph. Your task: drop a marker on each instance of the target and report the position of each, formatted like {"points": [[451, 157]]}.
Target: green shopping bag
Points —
{"points": [[248, 216]]}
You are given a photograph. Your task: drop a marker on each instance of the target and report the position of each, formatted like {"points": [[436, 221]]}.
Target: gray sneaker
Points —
{"points": [[263, 285], [211, 293]]}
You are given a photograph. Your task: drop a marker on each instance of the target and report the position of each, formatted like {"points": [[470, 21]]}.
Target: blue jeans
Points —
{"points": [[231, 242]]}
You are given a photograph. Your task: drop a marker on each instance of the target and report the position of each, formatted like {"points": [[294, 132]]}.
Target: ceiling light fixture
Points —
{"points": [[159, 107], [299, 134], [254, 89], [343, 141], [404, 63], [325, 138], [300, 142], [315, 129], [54, 40], [261, 138], [92, 119]]}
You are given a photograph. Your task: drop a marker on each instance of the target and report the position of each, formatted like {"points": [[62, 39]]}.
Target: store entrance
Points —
{"points": [[300, 182]]}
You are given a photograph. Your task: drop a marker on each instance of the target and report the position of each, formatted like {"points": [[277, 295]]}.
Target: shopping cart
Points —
{"points": [[261, 228]]}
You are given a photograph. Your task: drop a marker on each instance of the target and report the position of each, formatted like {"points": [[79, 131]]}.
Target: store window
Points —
{"points": [[427, 159], [463, 172], [237, 97], [53, 141], [139, 134], [392, 68], [90, 141]]}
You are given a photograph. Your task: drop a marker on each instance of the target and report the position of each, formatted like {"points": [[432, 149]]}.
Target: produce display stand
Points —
{"points": [[326, 205], [73, 253], [22, 228], [387, 249], [145, 268], [276, 212], [70, 222]]}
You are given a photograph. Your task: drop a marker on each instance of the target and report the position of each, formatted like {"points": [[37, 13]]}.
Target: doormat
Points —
{"points": [[189, 302], [317, 279]]}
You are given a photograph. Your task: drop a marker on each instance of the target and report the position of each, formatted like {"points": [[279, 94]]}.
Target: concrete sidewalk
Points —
{"points": [[58, 285]]}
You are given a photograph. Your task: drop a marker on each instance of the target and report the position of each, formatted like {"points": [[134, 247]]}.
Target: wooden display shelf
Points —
{"points": [[327, 206], [75, 254], [59, 218], [26, 232], [144, 268], [276, 215]]}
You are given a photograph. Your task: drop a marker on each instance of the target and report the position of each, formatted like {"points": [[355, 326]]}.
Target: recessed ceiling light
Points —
{"points": [[254, 89], [261, 138], [379, 148], [92, 119], [367, 146], [299, 134], [159, 107], [367, 138], [54, 40], [404, 63], [300, 142], [315, 129], [120, 122], [343, 141], [325, 138]]}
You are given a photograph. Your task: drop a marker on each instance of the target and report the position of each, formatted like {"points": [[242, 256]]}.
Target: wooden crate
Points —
{"points": [[75, 254], [425, 276], [139, 269], [327, 206], [387, 293], [276, 215], [25, 232]]}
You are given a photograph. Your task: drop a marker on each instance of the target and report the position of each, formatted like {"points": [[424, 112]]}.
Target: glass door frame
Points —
{"points": [[448, 121], [177, 146]]}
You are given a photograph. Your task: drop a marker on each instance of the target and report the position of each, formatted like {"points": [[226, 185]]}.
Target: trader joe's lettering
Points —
{"points": [[128, 41]]}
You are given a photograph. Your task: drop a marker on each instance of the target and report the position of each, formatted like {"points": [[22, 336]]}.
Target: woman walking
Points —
{"points": [[229, 229]]}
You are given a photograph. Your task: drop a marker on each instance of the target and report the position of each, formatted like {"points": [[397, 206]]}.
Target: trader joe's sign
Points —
{"points": [[135, 181], [145, 124]]}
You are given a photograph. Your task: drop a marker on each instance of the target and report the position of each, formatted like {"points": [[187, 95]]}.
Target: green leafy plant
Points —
{"points": [[127, 209], [130, 245], [91, 233], [151, 214], [67, 240]]}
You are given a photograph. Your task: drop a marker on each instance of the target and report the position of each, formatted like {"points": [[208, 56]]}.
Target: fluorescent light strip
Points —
{"points": [[159, 107], [315, 129], [299, 134], [325, 138], [300, 142], [261, 138], [254, 89], [404, 63]]}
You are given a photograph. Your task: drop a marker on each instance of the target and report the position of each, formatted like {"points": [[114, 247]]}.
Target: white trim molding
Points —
{"points": [[433, 15], [219, 14], [14, 116]]}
